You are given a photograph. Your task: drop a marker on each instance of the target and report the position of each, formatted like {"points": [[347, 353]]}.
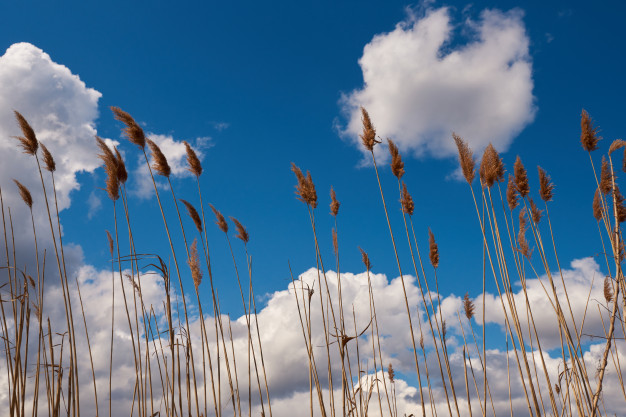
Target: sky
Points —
{"points": [[254, 87]]}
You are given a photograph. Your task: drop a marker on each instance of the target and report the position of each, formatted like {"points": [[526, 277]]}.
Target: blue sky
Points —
{"points": [[264, 83]]}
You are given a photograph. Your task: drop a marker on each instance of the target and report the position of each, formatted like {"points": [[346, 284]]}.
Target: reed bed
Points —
{"points": [[191, 364]]}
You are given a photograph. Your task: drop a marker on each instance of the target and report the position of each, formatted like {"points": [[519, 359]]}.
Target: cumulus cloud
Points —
{"points": [[420, 83]]}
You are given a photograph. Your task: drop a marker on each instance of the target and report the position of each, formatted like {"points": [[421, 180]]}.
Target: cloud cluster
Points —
{"points": [[420, 84]]}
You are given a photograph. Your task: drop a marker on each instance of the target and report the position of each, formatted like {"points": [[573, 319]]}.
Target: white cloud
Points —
{"points": [[94, 203], [420, 84]]}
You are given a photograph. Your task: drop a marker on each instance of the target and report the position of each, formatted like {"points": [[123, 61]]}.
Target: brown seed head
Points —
{"points": [[511, 194], [334, 204], [391, 373], [195, 167], [521, 178], [305, 189], [535, 212], [597, 206], [615, 145], [110, 239], [194, 264], [368, 137], [606, 183], [28, 141], [221, 221], [159, 163], [242, 233], [335, 242], [557, 389], [466, 158], [546, 188], [468, 306], [132, 131], [444, 330], [408, 206], [24, 193], [589, 134], [111, 169], [122, 174], [193, 213], [489, 166], [422, 342], [523, 246], [397, 166], [434, 249], [48, 160], [620, 209], [608, 289], [366, 260]]}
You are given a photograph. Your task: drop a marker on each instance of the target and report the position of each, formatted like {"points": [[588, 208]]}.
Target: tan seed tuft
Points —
{"points": [[368, 137], [194, 264], [305, 189], [28, 141], [366, 260], [48, 160], [159, 161], [221, 221], [466, 158], [608, 289], [620, 209], [546, 188], [589, 134], [408, 206], [110, 239], [535, 212], [122, 174], [468, 306], [397, 166], [132, 131], [616, 144], [521, 178], [606, 184], [24, 193], [434, 249], [334, 204], [391, 373], [489, 166], [242, 233], [195, 167], [511, 194], [597, 206], [193, 213], [110, 167]]}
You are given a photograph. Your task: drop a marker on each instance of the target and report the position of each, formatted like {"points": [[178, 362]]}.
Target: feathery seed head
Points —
{"points": [[242, 233], [28, 141], [468, 306], [48, 160], [220, 220], [546, 188], [408, 206], [606, 183], [365, 259], [111, 169], [195, 167], [535, 212], [305, 189], [193, 213], [597, 206], [608, 289], [335, 242], [615, 145], [620, 209], [511, 194], [122, 174], [444, 330], [132, 131], [589, 134], [489, 166], [110, 239], [368, 137], [194, 264], [397, 166], [24, 193], [523, 246], [466, 158], [434, 249], [159, 163], [521, 178], [334, 204], [391, 373]]}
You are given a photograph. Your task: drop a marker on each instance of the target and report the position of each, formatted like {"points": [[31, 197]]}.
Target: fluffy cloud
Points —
{"points": [[420, 84]]}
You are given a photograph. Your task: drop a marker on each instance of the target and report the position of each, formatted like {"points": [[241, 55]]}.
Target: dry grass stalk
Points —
{"points": [[193, 213], [132, 131], [546, 188], [334, 204], [242, 233], [305, 189], [335, 242], [48, 160], [490, 166], [111, 244], [366, 259], [597, 205], [368, 137], [24, 193], [511, 194], [535, 212], [608, 289], [122, 174], [159, 163], [195, 167], [220, 220], [589, 134], [466, 158], [194, 264], [408, 206], [606, 183], [433, 249], [468, 306], [397, 166], [28, 141], [110, 167], [521, 178]]}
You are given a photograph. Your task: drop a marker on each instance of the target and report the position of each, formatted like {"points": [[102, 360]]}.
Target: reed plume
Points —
{"points": [[606, 184], [615, 145], [132, 131], [305, 189], [522, 243], [408, 206], [368, 137], [521, 178], [608, 289], [111, 244], [48, 160], [195, 167], [159, 163], [589, 134], [110, 167], [397, 166], [194, 264], [28, 141], [334, 203], [24, 193], [466, 158], [468, 306], [193, 213], [511, 194], [335, 242], [366, 260], [536, 214], [433, 249], [546, 188], [242, 233], [489, 166], [620, 209], [597, 206], [391, 373], [220, 220], [122, 174]]}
